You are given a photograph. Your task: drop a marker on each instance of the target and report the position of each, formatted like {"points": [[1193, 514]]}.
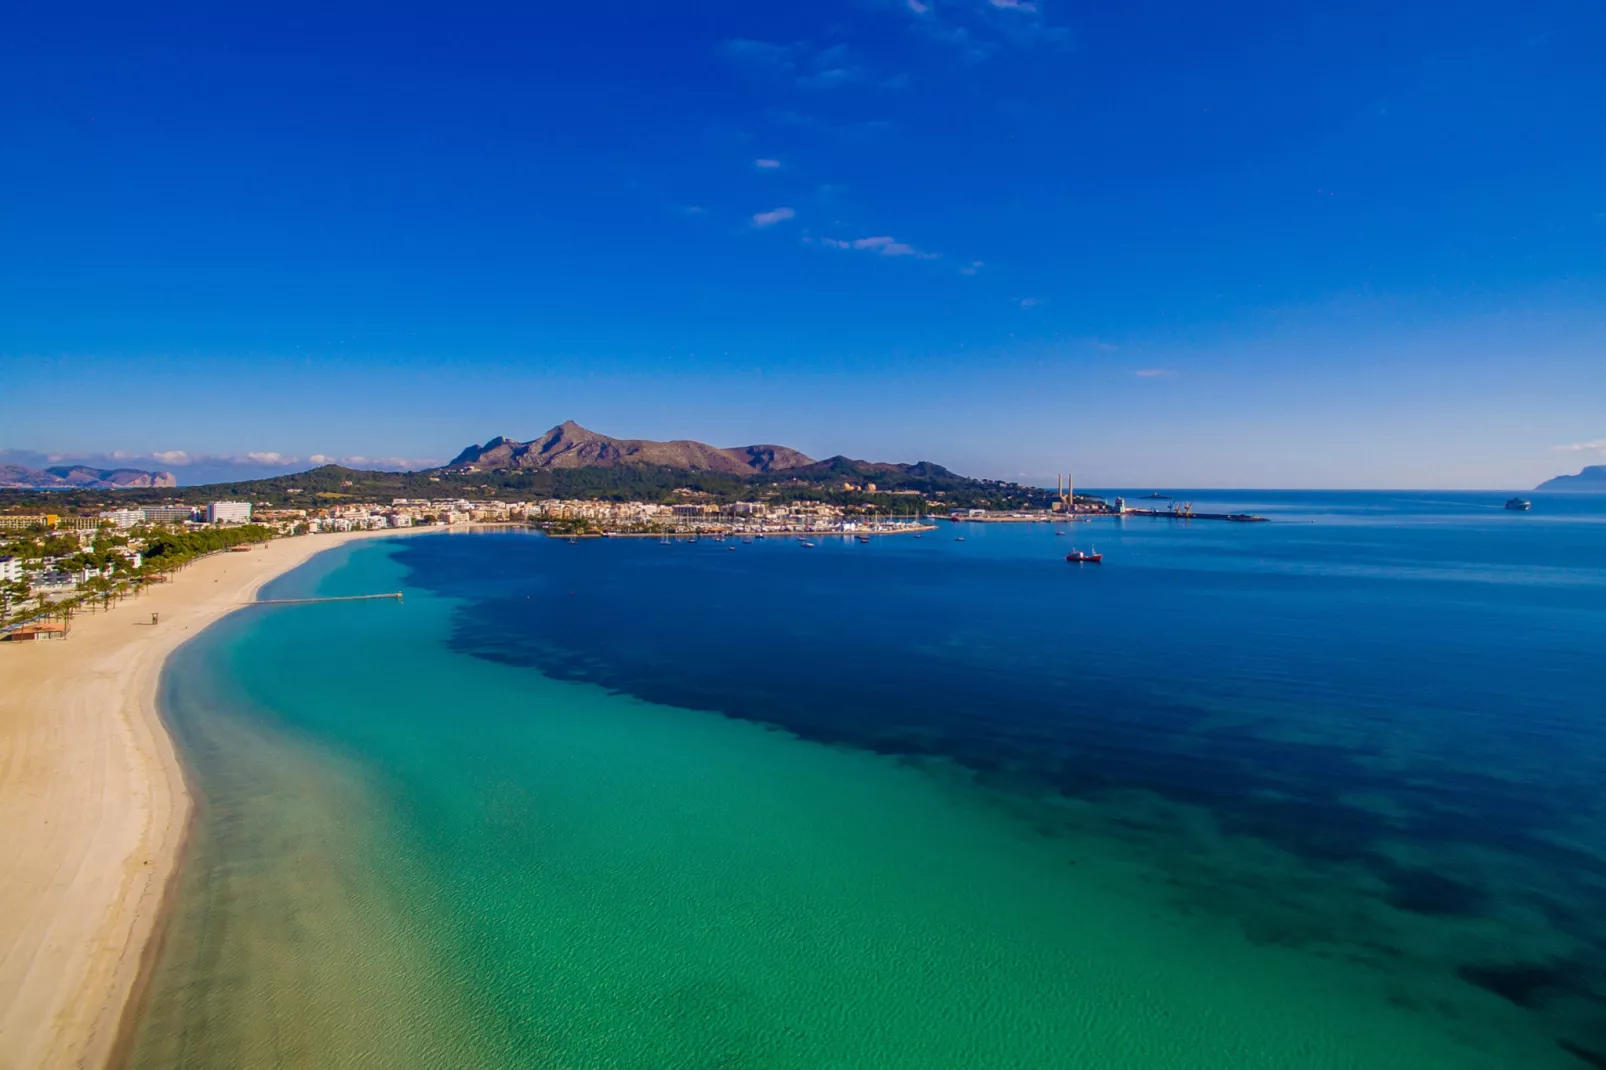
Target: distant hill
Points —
{"points": [[18, 476], [1592, 478], [571, 446]]}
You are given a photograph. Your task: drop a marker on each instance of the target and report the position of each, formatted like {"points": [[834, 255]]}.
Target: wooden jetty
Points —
{"points": [[397, 595]]}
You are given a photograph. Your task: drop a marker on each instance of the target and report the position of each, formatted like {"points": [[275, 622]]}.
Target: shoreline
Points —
{"points": [[95, 808], [683, 536]]}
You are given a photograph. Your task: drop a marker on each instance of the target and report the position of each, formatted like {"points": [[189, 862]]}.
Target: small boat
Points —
{"points": [[1519, 505], [1158, 497], [863, 538], [732, 549], [960, 539], [1059, 533], [1077, 557], [805, 542]]}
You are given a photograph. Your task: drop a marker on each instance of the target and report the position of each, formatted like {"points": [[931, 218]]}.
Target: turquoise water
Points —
{"points": [[1317, 793]]}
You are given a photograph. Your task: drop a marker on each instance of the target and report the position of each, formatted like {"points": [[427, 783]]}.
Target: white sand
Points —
{"points": [[93, 808]]}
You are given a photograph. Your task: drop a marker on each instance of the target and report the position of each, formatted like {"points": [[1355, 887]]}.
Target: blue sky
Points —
{"points": [[1238, 244]]}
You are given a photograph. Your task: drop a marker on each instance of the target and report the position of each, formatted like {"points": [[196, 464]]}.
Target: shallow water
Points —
{"points": [[1322, 792]]}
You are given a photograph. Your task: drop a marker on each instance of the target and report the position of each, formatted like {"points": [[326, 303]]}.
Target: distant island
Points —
{"points": [[571, 462], [1592, 478]]}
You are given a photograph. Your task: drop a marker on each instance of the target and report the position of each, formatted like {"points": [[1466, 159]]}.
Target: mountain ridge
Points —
{"points": [[568, 445], [81, 477]]}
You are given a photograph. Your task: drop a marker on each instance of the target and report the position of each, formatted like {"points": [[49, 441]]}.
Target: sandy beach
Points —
{"points": [[93, 808]]}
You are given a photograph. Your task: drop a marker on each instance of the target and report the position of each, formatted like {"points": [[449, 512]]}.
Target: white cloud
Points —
{"points": [[972, 267], [171, 457], [1154, 373], [882, 244], [1030, 302], [1597, 446], [318, 458], [766, 164], [772, 217], [269, 457]]}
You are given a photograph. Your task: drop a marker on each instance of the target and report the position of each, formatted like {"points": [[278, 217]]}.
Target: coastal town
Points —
{"points": [[54, 564]]}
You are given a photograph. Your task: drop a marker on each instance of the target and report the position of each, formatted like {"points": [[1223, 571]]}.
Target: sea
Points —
{"points": [[1323, 792]]}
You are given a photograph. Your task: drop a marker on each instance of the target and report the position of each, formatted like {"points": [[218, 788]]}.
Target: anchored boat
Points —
{"points": [[1077, 557]]}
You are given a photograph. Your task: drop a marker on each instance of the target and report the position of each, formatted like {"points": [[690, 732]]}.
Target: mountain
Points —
{"points": [[1592, 478], [571, 446], [81, 477], [847, 469]]}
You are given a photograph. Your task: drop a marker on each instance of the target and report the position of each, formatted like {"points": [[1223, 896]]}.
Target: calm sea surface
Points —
{"points": [[1324, 792]]}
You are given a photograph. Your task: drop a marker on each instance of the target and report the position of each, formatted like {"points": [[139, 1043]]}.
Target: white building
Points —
{"points": [[53, 581], [123, 518], [228, 513], [167, 514], [10, 569]]}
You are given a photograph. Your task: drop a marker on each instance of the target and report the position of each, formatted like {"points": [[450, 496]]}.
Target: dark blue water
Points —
{"points": [[1372, 728]]}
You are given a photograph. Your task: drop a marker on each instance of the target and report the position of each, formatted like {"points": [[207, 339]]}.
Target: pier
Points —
{"points": [[397, 595], [1189, 514]]}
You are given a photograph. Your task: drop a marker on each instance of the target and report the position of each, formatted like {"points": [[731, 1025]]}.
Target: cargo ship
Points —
{"points": [[1077, 557]]}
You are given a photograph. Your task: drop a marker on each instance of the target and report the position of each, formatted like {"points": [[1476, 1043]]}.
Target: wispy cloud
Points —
{"points": [[978, 28], [772, 217], [766, 164], [747, 52], [972, 268], [854, 130], [1154, 373], [809, 65], [881, 244], [1030, 302], [1597, 446]]}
